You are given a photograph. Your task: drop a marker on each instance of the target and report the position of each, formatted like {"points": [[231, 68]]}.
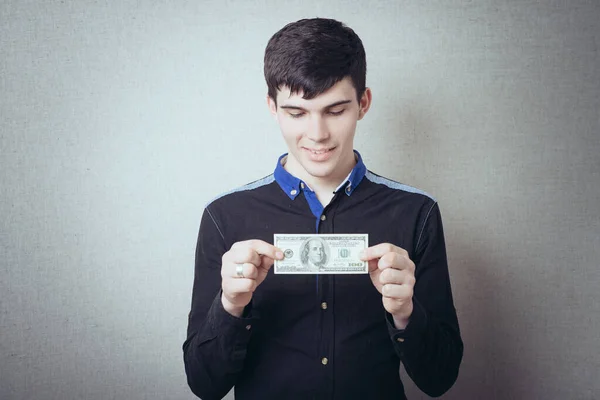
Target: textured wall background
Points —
{"points": [[119, 120]]}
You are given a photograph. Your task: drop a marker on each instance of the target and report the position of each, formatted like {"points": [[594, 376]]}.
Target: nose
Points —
{"points": [[318, 131]]}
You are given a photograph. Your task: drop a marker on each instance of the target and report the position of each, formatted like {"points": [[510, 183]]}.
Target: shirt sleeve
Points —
{"points": [[430, 347], [215, 348]]}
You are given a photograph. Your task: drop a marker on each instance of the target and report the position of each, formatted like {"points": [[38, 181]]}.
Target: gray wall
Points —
{"points": [[119, 121]]}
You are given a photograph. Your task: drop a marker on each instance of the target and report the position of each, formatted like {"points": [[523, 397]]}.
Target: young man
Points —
{"points": [[320, 336]]}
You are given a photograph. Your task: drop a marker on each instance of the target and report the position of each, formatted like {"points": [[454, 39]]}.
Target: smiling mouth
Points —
{"points": [[323, 151]]}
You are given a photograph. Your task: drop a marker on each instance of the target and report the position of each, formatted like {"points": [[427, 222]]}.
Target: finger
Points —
{"points": [[238, 254], [396, 276], [267, 263], [373, 265], [390, 275], [397, 261], [397, 291], [239, 286], [266, 249], [249, 271], [230, 266], [245, 254], [251, 250], [379, 250]]}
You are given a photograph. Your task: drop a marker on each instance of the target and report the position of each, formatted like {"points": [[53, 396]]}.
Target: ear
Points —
{"points": [[365, 103], [272, 106]]}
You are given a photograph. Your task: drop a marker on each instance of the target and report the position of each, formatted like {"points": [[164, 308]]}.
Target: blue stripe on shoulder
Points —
{"points": [[395, 185], [254, 185]]}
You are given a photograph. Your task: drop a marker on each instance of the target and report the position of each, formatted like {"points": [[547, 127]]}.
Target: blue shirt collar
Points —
{"points": [[292, 186]]}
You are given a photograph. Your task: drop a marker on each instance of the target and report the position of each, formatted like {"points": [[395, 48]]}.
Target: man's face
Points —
{"points": [[319, 132], [316, 252]]}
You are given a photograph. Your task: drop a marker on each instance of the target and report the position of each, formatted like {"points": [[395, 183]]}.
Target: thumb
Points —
{"points": [[266, 263], [373, 266], [263, 269]]}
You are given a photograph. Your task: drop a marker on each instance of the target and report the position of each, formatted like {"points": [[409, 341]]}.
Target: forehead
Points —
{"points": [[314, 243], [342, 90]]}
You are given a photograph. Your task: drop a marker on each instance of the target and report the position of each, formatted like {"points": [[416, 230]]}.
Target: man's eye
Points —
{"points": [[296, 115], [336, 112]]}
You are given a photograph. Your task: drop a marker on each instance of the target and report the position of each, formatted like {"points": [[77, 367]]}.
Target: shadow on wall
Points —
{"points": [[497, 355]]}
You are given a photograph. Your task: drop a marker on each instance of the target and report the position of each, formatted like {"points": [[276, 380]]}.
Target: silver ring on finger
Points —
{"points": [[239, 270]]}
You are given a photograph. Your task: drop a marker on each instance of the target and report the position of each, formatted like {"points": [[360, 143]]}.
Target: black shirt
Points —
{"points": [[328, 336]]}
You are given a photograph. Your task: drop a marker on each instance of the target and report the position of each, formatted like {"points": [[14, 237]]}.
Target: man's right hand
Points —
{"points": [[256, 257]]}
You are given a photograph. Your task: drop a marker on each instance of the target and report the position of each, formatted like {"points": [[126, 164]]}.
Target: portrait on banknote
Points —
{"points": [[314, 254]]}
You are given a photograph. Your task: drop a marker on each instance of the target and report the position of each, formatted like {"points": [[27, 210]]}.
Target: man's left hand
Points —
{"points": [[393, 274]]}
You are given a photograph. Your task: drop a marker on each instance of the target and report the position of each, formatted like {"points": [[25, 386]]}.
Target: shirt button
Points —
{"points": [[302, 185], [324, 305], [293, 192], [323, 217], [400, 340], [324, 361], [248, 327], [348, 189]]}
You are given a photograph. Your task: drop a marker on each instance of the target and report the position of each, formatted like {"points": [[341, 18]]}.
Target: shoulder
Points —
{"points": [[241, 194], [397, 187], [399, 199]]}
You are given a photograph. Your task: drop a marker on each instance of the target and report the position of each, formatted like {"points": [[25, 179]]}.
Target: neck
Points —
{"points": [[323, 187]]}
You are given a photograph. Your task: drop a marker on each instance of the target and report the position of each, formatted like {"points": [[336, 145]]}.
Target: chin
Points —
{"points": [[320, 168], [318, 171]]}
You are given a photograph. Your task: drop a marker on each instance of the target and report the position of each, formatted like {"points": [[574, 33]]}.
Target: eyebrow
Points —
{"points": [[337, 103]]}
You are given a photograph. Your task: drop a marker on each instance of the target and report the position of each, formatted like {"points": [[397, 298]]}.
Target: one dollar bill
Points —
{"points": [[321, 253]]}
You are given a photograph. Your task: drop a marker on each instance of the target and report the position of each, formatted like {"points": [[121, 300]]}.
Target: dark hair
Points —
{"points": [[312, 55]]}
